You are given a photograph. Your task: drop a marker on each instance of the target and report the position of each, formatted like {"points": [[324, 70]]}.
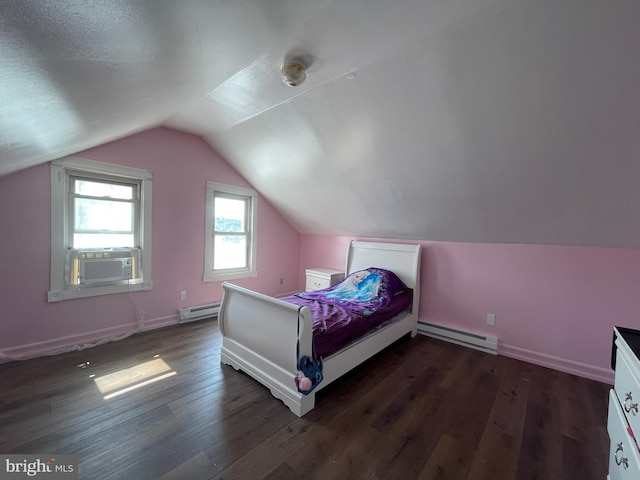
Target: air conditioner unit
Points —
{"points": [[93, 266]]}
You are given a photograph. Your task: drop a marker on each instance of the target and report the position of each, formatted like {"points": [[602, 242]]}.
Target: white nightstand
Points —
{"points": [[320, 277]]}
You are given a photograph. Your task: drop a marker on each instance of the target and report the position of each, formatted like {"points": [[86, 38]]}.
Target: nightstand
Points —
{"points": [[320, 277]]}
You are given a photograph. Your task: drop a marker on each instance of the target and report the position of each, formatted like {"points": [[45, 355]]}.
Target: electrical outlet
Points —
{"points": [[491, 319], [281, 281], [183, 294]]}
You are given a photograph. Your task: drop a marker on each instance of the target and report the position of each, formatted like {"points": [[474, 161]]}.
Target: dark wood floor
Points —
{"points": [[421, 409]]}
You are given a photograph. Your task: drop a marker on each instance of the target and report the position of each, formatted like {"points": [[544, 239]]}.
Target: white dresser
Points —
{"points": [[624, 400], [320, 277]]}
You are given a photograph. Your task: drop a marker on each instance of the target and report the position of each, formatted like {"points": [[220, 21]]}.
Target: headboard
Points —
{"points": [[402, 259]]}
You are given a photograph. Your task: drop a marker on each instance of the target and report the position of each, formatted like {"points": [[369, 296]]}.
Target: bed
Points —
{"points": [[266, 336]]}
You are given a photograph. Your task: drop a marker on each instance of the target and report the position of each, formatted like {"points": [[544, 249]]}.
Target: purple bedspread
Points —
{"points": [[334, 327], [363, 292]]}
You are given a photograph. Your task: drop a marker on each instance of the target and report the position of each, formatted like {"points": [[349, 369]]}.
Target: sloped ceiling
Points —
{"points": [[460, 120]]}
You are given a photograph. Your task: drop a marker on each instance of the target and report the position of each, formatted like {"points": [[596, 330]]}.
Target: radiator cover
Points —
{"points": [[483, 343], [198, 313]]}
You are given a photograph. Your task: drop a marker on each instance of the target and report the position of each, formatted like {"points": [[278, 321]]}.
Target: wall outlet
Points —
{"points": [[281, 281], [183, 294], [491, 319]]}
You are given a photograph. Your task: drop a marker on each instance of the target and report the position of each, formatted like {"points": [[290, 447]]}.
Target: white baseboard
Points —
{"points": [[288, 294], [81, 341], [604, 375], [160, 322]]}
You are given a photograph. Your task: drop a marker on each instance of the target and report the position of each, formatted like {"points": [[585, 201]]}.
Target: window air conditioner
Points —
{"points": [[91, 266]]}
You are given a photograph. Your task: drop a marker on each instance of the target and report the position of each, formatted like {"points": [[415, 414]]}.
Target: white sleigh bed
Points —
{"points": [[261, 333]]}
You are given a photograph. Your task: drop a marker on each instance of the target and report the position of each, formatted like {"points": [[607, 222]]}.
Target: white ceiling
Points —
{"points": [[461, 120]]}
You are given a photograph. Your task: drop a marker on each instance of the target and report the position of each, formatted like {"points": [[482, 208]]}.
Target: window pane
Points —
{"points": [[103, 216], [229, 251], [100, 189], [103, 240], [230, 215]]}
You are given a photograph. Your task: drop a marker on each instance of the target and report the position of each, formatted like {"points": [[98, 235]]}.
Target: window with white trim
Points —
{"points": [[230, 242], [100, 229]]}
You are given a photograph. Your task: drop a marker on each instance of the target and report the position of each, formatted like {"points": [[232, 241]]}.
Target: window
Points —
{"points": [[230, 232], [104, 212], [100, 229]]}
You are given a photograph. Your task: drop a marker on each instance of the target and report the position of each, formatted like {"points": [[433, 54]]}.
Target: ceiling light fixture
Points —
{"points": [[293, 73]]}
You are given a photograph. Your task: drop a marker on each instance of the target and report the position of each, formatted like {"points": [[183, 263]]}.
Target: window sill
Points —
{"points": [[221, 277], [59, 295]]}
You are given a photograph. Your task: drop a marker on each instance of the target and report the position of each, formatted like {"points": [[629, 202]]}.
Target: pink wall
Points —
{"points": [[181, 165], [555, 305]]}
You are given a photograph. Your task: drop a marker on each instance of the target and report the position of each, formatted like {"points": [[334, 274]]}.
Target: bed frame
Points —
{"points": [[260, 333]]}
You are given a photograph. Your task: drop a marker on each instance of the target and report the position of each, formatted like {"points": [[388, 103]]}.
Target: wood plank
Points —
{"points": [[197, 467], [448, 460], [420, 409], [415, 437], [541, 448], [499, 448]]}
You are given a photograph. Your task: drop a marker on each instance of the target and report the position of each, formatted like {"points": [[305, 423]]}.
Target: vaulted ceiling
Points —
{"points": [[461, 120]]}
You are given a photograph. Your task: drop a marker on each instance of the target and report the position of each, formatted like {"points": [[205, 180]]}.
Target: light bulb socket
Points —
{"points": [[293, 73]]}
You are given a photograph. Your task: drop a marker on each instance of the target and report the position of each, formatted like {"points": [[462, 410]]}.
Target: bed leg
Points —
{"points": [[414, 332], [305, 404]]}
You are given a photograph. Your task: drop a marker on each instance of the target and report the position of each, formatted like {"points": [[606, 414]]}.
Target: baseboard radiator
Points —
{"points": [[192, 314], [466, 339]]}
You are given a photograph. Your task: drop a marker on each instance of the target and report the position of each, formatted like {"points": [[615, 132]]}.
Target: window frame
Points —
{"points": [[110, 179], [213, 190], [62, 173]]}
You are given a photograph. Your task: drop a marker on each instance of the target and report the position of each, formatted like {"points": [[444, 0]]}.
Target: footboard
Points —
{"points": [[260, 335]]}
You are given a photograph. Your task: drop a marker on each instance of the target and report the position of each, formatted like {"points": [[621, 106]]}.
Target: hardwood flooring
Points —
{"points": [[422, 409]]}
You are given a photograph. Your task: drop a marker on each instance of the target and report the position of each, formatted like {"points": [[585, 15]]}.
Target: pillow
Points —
{"points": [[391, 284]]}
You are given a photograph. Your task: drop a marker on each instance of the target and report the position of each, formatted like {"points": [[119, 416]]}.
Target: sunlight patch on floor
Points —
{"points": [[128, 379]]}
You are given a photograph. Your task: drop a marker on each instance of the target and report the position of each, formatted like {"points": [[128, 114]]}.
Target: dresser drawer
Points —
{"points": [[624, 459], [627, 388], [316, 283]]}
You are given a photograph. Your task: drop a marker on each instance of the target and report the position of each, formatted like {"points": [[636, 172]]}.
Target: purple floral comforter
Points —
{"points": [[360, 303]]}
